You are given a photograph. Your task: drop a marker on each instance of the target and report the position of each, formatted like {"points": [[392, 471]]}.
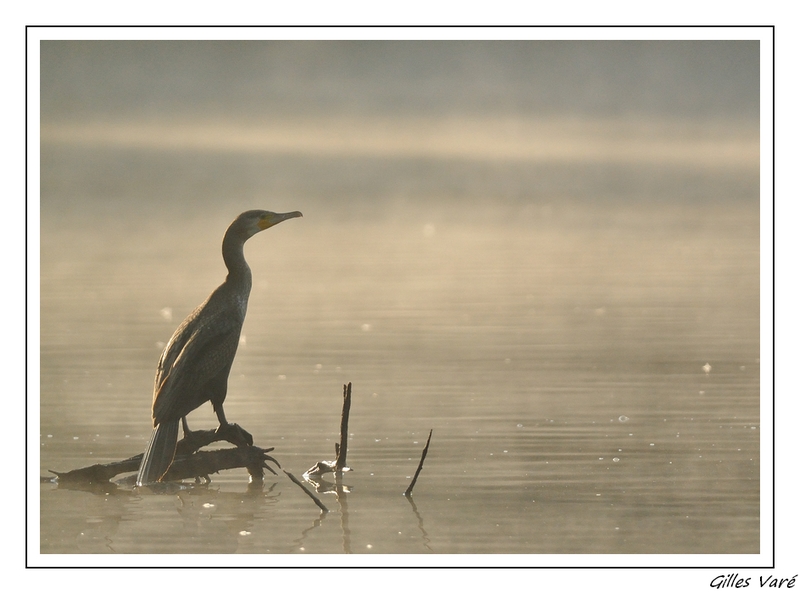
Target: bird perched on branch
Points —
{"points": [[195, 364]]}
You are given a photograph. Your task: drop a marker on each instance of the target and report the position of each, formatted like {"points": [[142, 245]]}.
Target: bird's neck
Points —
{"points": [[238, 270]]}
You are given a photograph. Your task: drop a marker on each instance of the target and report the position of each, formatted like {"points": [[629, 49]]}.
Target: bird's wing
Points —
{"points": [[196, 354], [173, 349]]}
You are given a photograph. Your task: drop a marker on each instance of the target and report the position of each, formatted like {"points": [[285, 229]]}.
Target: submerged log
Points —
{"points": [[188, 462], [98, 473]]}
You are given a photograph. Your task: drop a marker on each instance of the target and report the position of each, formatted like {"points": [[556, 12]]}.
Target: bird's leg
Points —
{"points": [[220, 415], [186, 430], [192, 440]]}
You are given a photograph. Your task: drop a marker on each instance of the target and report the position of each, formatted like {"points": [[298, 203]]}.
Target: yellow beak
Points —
{"points": [[273, 218]]}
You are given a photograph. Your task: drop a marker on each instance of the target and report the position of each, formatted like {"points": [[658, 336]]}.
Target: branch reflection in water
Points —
{"points": [[340, 490]]}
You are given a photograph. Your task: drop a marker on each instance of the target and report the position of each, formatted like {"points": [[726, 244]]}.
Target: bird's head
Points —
{"points": [[252, 221], [267, 219]]}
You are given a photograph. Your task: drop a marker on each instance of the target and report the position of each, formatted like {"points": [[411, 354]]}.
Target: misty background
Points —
{"points": [[430, 122], [112, 79], [548, 252]]}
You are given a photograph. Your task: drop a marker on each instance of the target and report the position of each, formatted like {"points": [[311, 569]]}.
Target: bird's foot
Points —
{"points": [[232, 433]]}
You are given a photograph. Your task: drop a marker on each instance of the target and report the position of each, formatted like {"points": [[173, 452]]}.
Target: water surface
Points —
{"points": [[582, 338]]}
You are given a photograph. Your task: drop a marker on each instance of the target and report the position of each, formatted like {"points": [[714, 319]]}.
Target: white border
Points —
{"points": [[763, 34]]}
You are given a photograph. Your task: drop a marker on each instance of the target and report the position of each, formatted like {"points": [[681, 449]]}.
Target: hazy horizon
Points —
{"points": [[690, 78]]}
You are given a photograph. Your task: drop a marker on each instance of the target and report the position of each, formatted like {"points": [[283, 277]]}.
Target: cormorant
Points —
{"points": [[195, 364]]}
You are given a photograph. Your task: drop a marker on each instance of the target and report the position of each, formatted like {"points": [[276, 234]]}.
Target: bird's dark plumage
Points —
{"points": [[195, 364]]}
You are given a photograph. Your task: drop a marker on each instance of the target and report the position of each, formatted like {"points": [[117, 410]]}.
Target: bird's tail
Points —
{"points": [[159, 453]]}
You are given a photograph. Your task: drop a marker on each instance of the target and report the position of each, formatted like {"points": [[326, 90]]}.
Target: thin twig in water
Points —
{"points": [[407, 492], [341, 447], [309, 493], [339, 465]]}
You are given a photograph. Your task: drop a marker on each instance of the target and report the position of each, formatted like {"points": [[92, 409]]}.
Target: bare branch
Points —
{"points": [[340, 464], [188, 462], [300, 484], [407, 492], [341, 448]]}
